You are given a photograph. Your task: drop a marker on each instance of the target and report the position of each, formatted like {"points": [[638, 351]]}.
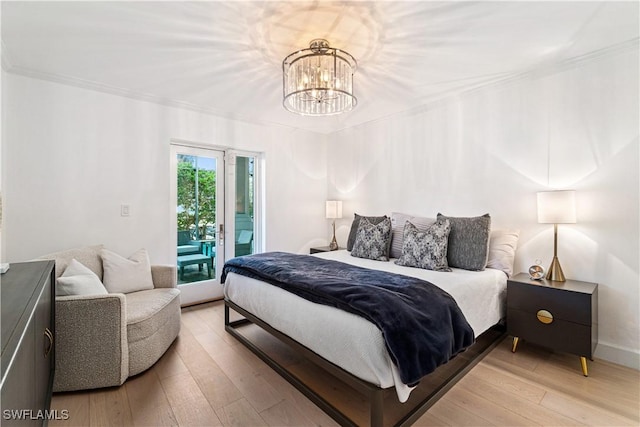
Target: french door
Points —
{"points": [[197, 192]]}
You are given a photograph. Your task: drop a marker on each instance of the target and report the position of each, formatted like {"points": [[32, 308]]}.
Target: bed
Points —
{"points": [[351, 347]]}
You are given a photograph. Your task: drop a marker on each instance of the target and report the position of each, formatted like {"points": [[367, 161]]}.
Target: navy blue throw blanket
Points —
{"points": [[422, 325]]}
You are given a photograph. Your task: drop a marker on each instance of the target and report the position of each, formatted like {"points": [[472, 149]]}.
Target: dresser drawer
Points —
{"points": [[563, 305], [559, 335], [27, 296]]}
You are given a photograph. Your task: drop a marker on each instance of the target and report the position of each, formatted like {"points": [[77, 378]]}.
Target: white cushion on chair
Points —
{"points": [[125, 275], [77, 279]]}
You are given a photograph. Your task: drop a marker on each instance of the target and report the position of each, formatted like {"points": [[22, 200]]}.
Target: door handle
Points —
{"points": [[221, 235]]}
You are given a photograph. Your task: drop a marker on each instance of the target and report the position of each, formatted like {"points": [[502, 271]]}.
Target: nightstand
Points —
{"points": [[560, 315], [320, 249]]}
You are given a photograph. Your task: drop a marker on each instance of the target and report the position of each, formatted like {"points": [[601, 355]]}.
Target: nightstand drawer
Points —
{"points": [[559, 335], [564, 305]]}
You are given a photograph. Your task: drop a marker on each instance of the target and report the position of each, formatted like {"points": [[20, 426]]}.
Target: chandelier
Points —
{"points": [[318, 81]]}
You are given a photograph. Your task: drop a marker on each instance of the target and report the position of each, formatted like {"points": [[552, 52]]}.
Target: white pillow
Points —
{"points": [[502, 250], [79, 280], [122, 275]]}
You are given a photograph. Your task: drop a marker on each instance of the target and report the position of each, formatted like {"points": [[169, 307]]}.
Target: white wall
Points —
{"points": [[492, 149], [72, 156]]}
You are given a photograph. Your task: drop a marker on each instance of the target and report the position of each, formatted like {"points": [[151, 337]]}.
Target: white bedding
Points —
{"points": [[350, 341]]}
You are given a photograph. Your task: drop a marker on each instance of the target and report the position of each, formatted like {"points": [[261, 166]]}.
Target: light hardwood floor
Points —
{"points": [[207, 378]]}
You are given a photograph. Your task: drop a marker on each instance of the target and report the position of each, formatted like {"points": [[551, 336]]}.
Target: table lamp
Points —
{"points": [[556, 207], [334, 211]]}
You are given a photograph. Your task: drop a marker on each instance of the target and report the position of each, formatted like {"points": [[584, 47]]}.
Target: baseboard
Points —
{"points": [[621, 356]]}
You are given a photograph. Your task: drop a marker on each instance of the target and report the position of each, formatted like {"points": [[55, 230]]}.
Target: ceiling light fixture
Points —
{"points": [[318, 81]]}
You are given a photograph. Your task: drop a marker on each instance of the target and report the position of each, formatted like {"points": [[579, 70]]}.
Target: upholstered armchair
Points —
{"points": [[101, 340]]}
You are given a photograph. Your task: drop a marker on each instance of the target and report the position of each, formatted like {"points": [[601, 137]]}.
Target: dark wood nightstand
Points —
{"points": [[559, 315], [320, 249]]}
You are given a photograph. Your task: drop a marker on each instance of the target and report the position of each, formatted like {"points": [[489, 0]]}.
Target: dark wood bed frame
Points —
{"points": [[384, 407]]}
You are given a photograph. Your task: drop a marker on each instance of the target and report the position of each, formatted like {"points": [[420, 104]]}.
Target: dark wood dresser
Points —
{"points": [[560, 315], [28, 301]]}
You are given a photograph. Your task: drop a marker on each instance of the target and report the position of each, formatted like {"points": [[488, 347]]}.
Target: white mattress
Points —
{"points": [[350, 341]]}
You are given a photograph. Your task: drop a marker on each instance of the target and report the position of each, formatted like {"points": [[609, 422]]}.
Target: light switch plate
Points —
{"points": [[125, 210]]}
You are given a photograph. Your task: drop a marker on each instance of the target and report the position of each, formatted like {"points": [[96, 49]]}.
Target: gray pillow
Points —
{"points": [[426, 249], [372, 240], [354, 227], [468, 242], [398, 220]]}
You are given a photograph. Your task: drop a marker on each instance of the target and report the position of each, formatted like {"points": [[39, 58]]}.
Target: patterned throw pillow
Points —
{"points": [[426, 249], [468, 242], [354, 227], [372, 240], [398, 220]]}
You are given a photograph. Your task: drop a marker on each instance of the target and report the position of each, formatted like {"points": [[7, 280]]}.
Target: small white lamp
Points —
{"points": [[334, 211], [556, 207]]}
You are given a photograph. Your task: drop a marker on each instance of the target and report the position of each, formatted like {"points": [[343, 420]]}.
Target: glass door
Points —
{"points": [[244, 204], [198, 216]]}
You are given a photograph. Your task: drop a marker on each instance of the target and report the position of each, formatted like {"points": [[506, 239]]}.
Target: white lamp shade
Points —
{"points": [[557, 207], [334, 209]]}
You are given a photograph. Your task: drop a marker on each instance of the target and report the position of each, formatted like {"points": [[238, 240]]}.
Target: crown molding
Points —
{"points": [[541, 70], [138, 96], [553, 66], [545, 68]]}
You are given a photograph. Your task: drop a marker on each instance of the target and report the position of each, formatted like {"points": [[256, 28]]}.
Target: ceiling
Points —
{"points": [[225, 57]]}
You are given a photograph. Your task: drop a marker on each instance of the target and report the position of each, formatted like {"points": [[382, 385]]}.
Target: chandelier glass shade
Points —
{"points": [[318, 81]]}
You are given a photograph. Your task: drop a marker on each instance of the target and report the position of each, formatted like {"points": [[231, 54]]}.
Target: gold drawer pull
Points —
{"points": [[544, 316]]}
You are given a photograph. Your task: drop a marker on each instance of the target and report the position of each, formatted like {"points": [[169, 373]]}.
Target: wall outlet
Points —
{"points": [[125, 210]]}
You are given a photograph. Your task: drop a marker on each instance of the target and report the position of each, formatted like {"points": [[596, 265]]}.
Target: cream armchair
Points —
{"points": [[101, 340]]}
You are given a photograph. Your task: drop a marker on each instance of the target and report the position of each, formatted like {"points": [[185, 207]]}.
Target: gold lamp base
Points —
{"points": [[333, 246], [555, 271]]}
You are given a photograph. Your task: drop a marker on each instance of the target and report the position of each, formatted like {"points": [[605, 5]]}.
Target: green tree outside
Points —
{"points": [[205, 205]]}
